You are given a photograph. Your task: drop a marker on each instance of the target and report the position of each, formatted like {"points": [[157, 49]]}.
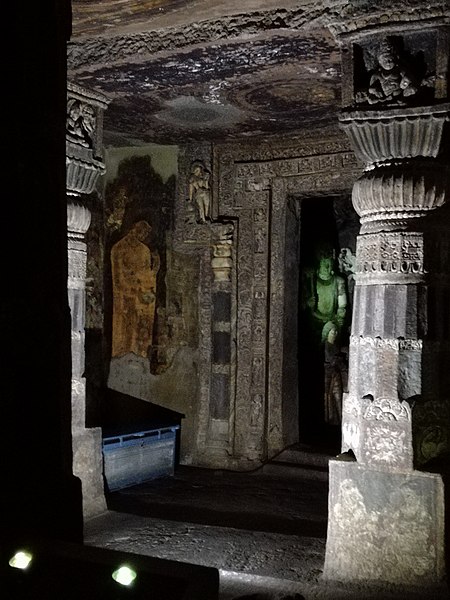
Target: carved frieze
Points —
{"points": [[377, 342], [349, 18], [78, 221], [258, 175], [242, 153], [77, 265], [390, 257]]}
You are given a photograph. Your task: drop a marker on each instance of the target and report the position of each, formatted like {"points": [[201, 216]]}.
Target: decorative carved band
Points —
{"points": [[387, 409], [82, 176], [303, 165], [78, 218], [405, 191], [394, 344], [387, 255], [397, 133], [345, 18]]}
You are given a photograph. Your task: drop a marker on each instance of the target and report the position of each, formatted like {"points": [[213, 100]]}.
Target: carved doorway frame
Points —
{"points": [[287, 194]]}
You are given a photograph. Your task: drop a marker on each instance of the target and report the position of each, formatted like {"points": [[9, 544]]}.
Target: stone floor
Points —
{"points": [[265, 533]]}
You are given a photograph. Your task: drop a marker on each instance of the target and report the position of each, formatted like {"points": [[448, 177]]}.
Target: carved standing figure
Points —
{"points": [[335, 371], [134, 271], [199, 191], [347, 267]]}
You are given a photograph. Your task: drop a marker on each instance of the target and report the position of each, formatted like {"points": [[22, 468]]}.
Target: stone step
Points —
{"points": [[293, 471], [299, 461]]}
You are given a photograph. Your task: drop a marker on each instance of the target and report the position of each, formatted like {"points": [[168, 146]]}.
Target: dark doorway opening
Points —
{"points": [[328, 230]]}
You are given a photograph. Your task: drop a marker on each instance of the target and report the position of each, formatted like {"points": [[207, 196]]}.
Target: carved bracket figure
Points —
{"points": [[200, 192]]}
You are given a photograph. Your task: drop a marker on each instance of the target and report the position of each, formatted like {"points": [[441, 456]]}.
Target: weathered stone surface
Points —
{"points": [[177, 389], [88, 466], [384, 526]]}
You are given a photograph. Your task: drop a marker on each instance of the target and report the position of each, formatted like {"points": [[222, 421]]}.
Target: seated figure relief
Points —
{"points": [[394, 79]]}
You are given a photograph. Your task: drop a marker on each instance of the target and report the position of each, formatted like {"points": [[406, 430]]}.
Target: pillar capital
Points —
{"points": [[84, 131]]}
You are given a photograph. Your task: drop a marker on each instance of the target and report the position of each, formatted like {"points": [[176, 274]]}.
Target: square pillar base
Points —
{"points": [[384, 526]]}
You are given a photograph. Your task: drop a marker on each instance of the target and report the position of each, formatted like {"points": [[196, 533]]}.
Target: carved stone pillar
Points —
{"points": [[386, 500], [83, 167]]}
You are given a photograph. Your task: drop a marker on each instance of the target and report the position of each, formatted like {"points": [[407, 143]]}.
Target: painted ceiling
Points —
{"points": [[205, 70]]}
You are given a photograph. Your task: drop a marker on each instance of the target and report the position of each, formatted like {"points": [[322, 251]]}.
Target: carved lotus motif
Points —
{"points": [[81, 176], [78, 218], [410, 192], [384, 135]]}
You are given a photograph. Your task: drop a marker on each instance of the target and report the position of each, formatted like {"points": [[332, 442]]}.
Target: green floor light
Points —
{"points": [[21, 559], [124, 575]]}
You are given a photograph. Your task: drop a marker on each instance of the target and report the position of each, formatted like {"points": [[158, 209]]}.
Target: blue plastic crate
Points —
{"points": [[136, 457]]}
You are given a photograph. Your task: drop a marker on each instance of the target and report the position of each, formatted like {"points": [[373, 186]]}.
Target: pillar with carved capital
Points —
{"points": [[83, 167], [386, 498]]}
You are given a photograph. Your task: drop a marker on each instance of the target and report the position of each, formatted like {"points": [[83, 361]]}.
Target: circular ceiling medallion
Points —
{"points": [[283, 98], [189, 112]]}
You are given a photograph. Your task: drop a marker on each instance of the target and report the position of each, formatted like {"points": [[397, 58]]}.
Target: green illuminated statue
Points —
{"points": [[326, 294]]}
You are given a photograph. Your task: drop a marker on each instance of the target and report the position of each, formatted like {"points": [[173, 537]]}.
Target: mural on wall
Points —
{"points": [[134, 273], [138, 217]]}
